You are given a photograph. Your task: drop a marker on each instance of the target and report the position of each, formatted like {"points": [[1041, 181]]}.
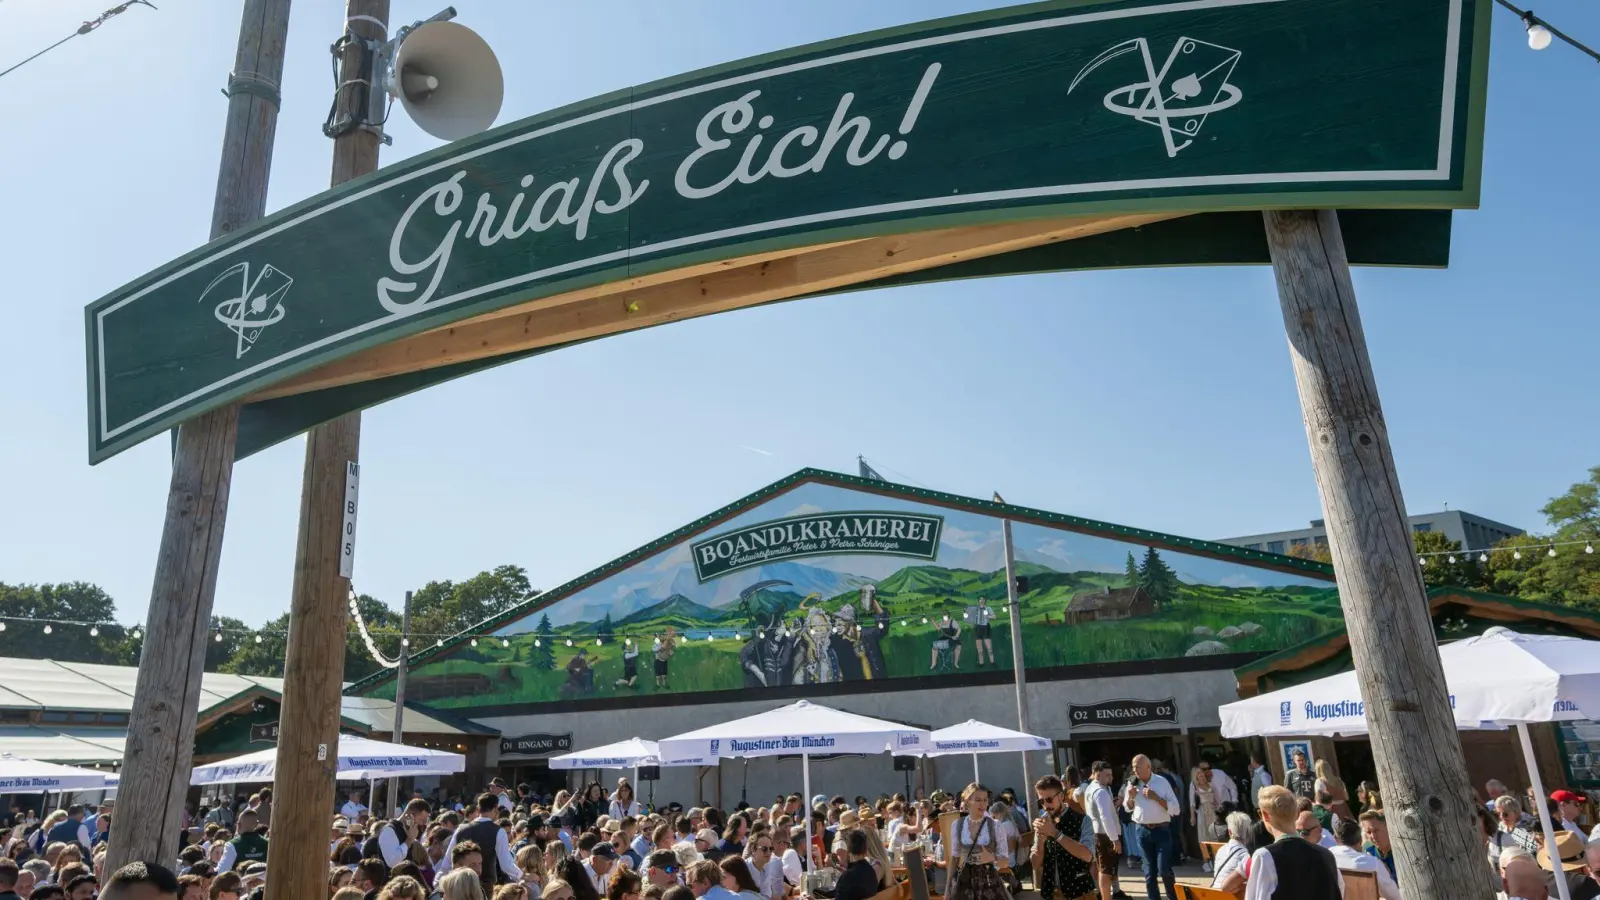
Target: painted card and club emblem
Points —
{"points": [[1178, 97], [248, 307]]}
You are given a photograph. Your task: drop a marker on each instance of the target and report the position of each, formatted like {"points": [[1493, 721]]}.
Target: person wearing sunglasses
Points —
{"points": [[765, 865], [1059, 859], [1307, 826], [661, 869]]}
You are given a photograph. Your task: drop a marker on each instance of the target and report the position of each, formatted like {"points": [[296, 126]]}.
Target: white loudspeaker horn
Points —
{"points": [[448, 80]]}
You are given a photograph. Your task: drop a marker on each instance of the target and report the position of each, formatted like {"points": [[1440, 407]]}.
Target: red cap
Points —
{"points": [[1566, 797]]}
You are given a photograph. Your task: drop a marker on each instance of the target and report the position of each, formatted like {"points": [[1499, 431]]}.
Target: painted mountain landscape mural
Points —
{"points": [[824, 583]]}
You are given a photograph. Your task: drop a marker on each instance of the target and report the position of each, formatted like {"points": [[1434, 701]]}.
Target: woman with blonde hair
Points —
{"points": [[1332, 785], [39, 838], [879, 859], [974, 851], [1203, 805], [461, 884], [530, 860]]}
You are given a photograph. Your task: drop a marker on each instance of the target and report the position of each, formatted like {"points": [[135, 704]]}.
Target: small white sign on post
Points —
{"points": [[347, 533]]}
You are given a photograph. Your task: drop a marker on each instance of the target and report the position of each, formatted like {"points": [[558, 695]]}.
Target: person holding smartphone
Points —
{"points": [[1152, 802]]}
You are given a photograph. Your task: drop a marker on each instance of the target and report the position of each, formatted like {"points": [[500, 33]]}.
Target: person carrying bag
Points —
{"points": [[973, 835]]}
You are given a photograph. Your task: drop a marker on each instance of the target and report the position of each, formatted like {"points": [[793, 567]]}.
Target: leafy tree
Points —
{"points": [[1132, 574], [607, 632], [448, 607], [101, 640], [265, 658], [1447, 565], [544, 655], [1572, 575], [1157, 578], [1316, 551]]}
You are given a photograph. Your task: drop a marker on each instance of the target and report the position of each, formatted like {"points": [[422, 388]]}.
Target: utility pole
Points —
{"points": [[308, 737], [160, 749], [1014, 607], [1414, 742], [400, 699]]}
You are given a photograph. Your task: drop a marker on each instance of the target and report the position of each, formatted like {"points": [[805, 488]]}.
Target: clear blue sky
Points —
{"points": [[1161, 399]]}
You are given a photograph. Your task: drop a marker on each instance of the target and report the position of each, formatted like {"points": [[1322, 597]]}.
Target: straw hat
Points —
{"points": [[1569, 848]]}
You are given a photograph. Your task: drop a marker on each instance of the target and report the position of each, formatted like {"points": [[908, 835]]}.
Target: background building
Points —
{"points": [[1470, 531]]}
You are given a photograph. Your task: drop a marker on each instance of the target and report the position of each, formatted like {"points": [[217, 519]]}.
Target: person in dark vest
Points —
{"points": [[390, 843], [499, 866], [249, 846], [71, 830], [1292, 868]]}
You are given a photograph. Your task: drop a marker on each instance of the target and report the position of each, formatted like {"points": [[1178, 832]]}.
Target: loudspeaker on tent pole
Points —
{"points": [[447, 79]]}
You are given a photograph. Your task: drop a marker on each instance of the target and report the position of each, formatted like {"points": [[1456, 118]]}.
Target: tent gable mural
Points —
{"points": [[824, 579]]}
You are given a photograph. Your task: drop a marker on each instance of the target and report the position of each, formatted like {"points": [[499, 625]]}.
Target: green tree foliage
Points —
{"points": [[1157, 578], [449, 607], [544, 655], [1447, 566], [76, 602], [1132, 574], [265, 657], [607, 631], [1572, 575]]}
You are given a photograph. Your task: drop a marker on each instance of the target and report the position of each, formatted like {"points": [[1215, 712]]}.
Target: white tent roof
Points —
{"points": [[360, 759], [801, 728], [1500, 678], [620, 755], [973, 736], [20, 775], [72, 746]]}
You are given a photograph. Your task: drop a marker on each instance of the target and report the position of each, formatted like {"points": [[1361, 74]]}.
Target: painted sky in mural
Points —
{"points": [[825, 584]]}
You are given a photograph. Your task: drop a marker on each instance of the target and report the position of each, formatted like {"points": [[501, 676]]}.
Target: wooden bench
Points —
{"points": [[1359, 885], [1189, 892], [1208, 850]]}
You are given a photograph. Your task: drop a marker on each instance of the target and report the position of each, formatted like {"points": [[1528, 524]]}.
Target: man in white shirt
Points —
{"points": [[1568, 804], [1152, 801], [392, 839], [488, 805], [783, 848], [1349, 856], [352, 807], [599, 866], [1102, 815], [1222, 783], [1302, 868], [1307, 826], [1260, 777]]}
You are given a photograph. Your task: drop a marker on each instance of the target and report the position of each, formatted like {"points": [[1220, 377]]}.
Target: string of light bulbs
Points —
{"points": [[1548, 547], [1541, 33]]}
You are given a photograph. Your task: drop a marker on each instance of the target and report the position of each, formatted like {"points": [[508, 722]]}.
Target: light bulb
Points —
{"points": [[94, 632], [1516, 554], [536, 643], [258, 638], [1588, 548], [48, 629], [711, 637], [629, 642], [597, 641], [1483, 558], [1422, 560], [1538, 36], [218, 638], [474, 642], [137, 634], [1452, 559], [1552, 551], [569, 642], [762, 635], [3, 628], [505, 642], [924, 620], [405, 642], [439, 643]]}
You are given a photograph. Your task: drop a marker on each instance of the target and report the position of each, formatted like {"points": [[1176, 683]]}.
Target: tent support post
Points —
{"points": [[805, 782], [975, 775], [1544, 808]]}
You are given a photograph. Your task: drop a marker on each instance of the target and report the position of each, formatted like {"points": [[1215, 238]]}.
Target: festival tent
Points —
{"points": [[360, 759], [19, 775], [1501, 678], [801, 729], [977, 737]]}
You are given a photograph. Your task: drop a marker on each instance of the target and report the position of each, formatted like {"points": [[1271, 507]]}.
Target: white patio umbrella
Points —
{"points": [[1501, 678], [20, 775], [977, 737], [629, 754], [360, 759], [801, 728]]}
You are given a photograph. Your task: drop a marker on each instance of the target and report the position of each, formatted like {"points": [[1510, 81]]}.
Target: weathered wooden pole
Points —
{"points": [[160, 749], [308, 734], [1438, 854]]}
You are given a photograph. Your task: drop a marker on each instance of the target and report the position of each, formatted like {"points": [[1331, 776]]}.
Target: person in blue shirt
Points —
{"points": [[1375, 831], [704, 878]]}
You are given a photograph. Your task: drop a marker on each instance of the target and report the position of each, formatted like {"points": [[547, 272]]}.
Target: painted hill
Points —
{"points": [[675, 608]]}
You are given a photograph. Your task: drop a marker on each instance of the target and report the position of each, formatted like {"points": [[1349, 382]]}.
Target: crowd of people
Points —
{"points": [[1297, 840]]}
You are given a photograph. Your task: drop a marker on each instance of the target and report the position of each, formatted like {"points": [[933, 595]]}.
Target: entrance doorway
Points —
{"points": [[537, 774], [1119, 752]]}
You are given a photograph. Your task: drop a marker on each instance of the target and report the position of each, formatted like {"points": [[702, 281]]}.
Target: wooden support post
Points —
{"points": [[308, 734], [166, 699], [1438, 854]]}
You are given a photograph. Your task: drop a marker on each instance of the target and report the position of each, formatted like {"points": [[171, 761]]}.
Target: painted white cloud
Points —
{"points": [[964, 540]]}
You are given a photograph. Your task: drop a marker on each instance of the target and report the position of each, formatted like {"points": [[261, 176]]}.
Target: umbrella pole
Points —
{"points": [[1544, 811], [975, 775], [805, 782]]}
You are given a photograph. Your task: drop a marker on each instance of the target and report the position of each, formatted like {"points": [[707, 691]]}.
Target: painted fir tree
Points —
{"points": [[1157, 578], [1133, 577], [544, 655], [608, 631]]}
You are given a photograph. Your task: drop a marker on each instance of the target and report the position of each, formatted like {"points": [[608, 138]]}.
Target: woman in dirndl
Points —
{"points": [[974, 851]]}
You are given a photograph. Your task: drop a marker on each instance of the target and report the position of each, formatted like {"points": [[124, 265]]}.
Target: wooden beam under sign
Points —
{"points": [[709, 289]]}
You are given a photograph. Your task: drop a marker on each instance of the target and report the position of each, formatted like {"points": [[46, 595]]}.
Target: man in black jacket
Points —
{"points": [[1292, 868], [859, 881]]}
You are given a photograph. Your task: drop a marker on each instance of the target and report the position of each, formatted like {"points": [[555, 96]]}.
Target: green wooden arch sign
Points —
{"points": [[959, 146]]}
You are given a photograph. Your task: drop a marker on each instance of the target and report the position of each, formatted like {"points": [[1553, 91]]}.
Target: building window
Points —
{"points": [[1422, 527], [1297, 542], [1274, 546]]}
